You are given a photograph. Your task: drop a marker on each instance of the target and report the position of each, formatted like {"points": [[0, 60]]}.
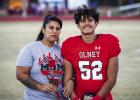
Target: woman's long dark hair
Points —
{"points": [[47, 19]]}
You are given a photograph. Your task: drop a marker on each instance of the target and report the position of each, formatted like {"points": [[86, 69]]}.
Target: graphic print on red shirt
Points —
{"points": [[51, 68]]}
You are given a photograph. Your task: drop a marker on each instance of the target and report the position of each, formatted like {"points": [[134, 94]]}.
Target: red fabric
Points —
{"points": [[90, 61], [75, 98], [96, 98]]}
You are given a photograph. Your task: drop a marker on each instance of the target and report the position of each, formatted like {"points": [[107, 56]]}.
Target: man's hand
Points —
{"points": [[68, 88]]}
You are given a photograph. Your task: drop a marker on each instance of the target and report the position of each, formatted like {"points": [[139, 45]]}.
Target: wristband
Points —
{"points": [[70, 80]]}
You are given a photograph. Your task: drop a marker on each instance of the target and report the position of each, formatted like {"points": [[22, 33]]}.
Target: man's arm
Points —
{"points": [[68, 71], [112, 72], [68, 82]]}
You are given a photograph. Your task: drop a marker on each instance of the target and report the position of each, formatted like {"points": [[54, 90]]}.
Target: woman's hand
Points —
{"points": [[50, 88], [68, 88]]}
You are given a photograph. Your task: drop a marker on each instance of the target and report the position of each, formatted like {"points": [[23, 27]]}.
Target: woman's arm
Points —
{"points": [[112, 72], [23, 75]]}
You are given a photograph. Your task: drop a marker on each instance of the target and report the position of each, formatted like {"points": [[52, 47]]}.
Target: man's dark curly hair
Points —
{"points": [[85, 12]]}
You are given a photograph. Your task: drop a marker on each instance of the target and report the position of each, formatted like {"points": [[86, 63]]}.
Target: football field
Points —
{"points": [[14, 35]]}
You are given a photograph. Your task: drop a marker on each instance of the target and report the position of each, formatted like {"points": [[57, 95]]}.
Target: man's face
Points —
{"points": [[87, 25]]}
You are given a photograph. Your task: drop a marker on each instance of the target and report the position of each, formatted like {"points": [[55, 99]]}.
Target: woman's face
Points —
{"points": [[52, 31]]}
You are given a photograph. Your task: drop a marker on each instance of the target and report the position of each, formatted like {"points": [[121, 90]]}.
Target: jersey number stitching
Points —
{"points": [[94, 73]]}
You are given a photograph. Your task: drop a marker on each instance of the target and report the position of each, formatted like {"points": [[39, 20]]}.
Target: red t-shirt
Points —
{"points": [[90, 61]]}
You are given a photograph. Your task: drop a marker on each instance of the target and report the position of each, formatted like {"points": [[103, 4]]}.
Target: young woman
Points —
{"points": [[40, 65]]}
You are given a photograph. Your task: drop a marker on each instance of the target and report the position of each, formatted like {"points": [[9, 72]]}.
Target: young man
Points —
{"points": [[93, 57]]}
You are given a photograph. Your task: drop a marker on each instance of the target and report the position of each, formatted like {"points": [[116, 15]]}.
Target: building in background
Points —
{"points": [[73, 4], [107, 8]]}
